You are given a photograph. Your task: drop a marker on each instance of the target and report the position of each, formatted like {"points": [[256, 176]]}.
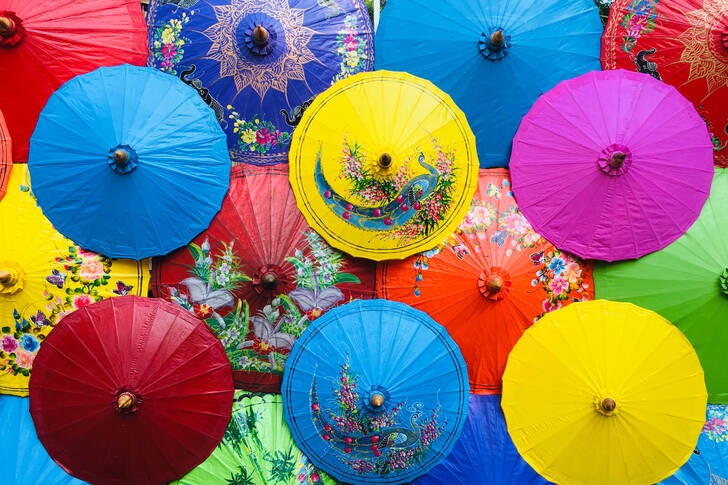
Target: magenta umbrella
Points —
{"points": [[612, 165]]}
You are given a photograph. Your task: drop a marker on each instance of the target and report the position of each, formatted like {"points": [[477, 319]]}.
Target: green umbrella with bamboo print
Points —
{"points": [[257, 449], [687, 283]]}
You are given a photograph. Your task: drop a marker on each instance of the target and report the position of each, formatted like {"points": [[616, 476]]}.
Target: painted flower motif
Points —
{"points": [[202, 310], [24, 359], [557, 265], [716, 423], [166, 48], [81, 301], [91, 270], [351, 48], [29, 343], [8, 344], [548, 306], [258, 135], [572, 272], [558, 285], [638, 20]]}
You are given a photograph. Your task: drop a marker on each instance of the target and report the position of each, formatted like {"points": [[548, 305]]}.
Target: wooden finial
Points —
{"points": [[125, 400], [7, 26], [5, 277], [121, 157], [269, 281], [616, 159], [260, 36], [497, 38], [376, 400], [494, 283], [385, 160], [609, 405]]}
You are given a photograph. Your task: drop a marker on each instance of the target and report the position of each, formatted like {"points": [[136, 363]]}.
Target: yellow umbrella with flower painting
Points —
{"points": [[43, 277], [383, 165]]}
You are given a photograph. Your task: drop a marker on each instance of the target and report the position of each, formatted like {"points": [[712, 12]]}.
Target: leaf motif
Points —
{"points": [[345, 278], [261, 327]]}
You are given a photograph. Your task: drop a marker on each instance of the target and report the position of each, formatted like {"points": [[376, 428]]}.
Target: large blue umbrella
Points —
{"points": [[484, 454], [260, 63], [709, 463], [375, 392], [128, 162], [24, 460], [494, 57]]}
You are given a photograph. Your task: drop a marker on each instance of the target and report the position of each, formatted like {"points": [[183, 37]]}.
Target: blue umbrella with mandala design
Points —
{"points": [[260, 63], [375, 392]]}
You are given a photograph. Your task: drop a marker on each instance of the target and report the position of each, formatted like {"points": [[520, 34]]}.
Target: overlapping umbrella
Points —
{"points": [[260, 63], [489, 281], [395, 177], [681, 42], [129, 162], [259, 275], [601, 392], [131, 390], [494, 57], [6, 156], [612, 165], [43, 278], [375, 392], [44, 43]]}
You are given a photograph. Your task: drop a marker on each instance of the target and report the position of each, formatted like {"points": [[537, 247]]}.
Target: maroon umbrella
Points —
{"points": [[131, 390]]}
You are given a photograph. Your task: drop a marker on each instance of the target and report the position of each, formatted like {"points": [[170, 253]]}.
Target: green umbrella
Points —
{"points": [[687, 283], [257, 449]]}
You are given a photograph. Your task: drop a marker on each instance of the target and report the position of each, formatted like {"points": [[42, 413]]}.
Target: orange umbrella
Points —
{"points": [[489, 281], [6, 155]]}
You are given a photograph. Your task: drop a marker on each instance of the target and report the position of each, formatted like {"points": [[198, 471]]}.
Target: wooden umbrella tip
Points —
{"points": [[609, 405], [385, 160], [377, 400], [497, 37]]}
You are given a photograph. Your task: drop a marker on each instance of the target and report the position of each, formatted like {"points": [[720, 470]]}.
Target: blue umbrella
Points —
{"points": [[494, 57], [128, 162], [709, 462], [260, 63], [24, 460], [375, 392], [484, 454]]}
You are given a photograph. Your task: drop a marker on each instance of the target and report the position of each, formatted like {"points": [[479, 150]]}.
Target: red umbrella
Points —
{"points": [[130, 390], [44, 43], [6, 159], [259, 275]]}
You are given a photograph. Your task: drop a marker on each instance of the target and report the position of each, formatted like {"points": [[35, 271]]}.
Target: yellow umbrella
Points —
{"points": [[43, 277], [383, 165], [604, 393]]}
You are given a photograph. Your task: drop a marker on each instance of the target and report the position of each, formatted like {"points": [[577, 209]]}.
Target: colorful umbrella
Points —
{"points": [[494, 57], [24, 458], [131, 390], [489, 281], [148, 167], [484, 454], [681, 42], [687, 283], [634, 164], [396, 177], [601, 393], [375, 392], [44, 43], [258, 275], [257, 449], [43, 278], [6, 156], [260, 63]]}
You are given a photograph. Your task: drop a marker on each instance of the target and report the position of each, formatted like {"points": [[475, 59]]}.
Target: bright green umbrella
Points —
{"points": [[257, 449], [687, 283]]}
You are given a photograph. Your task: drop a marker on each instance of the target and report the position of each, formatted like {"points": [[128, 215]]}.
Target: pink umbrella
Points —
{"points": [[612, 165]]}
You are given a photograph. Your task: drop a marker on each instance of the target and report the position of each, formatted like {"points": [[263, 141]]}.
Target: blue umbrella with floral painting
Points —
{"points": [[260, 63], [375, 392]]}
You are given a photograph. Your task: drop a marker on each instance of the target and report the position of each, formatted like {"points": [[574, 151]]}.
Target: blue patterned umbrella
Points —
{"points": [[375, 392], [24, 460], [260, 63], [484, 454], [494, 57]]}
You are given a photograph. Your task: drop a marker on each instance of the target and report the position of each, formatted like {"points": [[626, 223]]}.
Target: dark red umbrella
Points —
{"points": [[44, 43], [130, 390], [259, 275]]}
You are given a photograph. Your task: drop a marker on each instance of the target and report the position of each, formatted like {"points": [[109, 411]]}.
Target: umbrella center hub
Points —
{"points": [[261, 35], [494, 283], [122, 159], [494, 43], [11, 29], [127, 402], [376, 399], [606, 406], [723, 281], [270, 280], [11, 277], [615, 160]]}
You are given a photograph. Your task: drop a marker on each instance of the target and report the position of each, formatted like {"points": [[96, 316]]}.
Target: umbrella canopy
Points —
{"points": [[601, 392], [612, 137], [396, 177], [489, 281], [494, 57], [24, 458], [148, 169], [681, 42], [44, 43], [6, 156], [389, 400], [687, 283], [131, 390], [484, 454], [257, 449], [259, 275], [260, 63], [43, 278]]}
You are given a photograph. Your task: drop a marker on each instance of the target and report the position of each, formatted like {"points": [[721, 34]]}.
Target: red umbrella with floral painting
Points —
{"points": [[259, 275]]}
